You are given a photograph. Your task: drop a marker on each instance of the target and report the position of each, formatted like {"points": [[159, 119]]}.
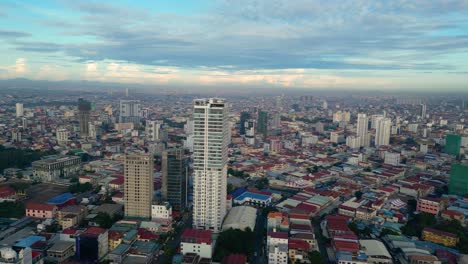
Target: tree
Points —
{"points": [[11, 209], [230, 188], [104, 220], [234, 241], [358, 194], [412, 203], [315, 257]]}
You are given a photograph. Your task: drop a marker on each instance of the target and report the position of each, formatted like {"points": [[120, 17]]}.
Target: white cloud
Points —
{"points": [[20, 66]]}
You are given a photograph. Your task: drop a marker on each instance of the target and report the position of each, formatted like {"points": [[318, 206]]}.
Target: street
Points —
{"points": [[260, 236]]}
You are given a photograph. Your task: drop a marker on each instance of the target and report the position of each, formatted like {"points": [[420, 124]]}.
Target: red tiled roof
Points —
{"points": [[452, 213], [298, 244], [438, 232], [40, 207], [6, 191], [196, 236], [281, 235], [234, 259], [94, 231]]}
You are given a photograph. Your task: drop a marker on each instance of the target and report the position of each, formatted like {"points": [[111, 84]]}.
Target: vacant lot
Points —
{"points": [[42, 192]]}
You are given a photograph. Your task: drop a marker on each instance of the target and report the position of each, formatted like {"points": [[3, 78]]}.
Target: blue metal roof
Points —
{"points": [[29, 241], [60, 199]]}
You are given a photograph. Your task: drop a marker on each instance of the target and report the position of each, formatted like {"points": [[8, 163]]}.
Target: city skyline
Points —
{"points": [[355, 45]]}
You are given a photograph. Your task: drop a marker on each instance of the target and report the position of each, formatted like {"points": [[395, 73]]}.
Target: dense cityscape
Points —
{"points": [[124, 176]]}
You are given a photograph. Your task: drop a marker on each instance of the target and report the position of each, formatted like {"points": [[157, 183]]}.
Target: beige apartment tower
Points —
{"points": [[138, 185]]}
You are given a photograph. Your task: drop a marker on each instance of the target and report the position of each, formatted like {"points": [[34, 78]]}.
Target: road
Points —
{"points": [[260, 237], [174, 241]]}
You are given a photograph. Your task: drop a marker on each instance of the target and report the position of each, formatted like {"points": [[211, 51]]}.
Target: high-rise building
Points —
{"points": [[452, 144], [154, 130], [244, 116], [423, 111], [174, 170], [130, 111], [138, 191], [341, 116], [92, 130], [19, 110], [382, 131], [374, 119], [262, 123], [362, 130], [275, 121], [459, 179], [84, 107], [62, 136], [210, 150]]}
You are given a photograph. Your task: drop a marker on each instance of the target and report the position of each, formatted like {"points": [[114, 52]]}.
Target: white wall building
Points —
{"points": [[62, 136], [154, 130], [382, 132], [210, 149], [362, 130], [161, 211], [392, 158], [353, 141], [130, 111], [19, 110]]}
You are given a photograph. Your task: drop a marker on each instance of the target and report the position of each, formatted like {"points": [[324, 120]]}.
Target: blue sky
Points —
{"points": [[359, 44]]}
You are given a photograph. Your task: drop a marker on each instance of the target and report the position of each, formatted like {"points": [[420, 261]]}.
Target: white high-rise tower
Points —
{"points": [[210, 148], [362, 130], [382, 131], [19, 110]]}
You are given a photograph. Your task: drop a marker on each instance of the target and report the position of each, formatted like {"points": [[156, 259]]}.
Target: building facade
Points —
{"points": [[138, 185], [130, 111], [174, 170], [53, 167], [84, 108], [382, 131], [458, 179], [210, 163]]}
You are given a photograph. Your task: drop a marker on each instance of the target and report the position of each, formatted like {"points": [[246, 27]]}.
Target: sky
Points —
{"points": [[396, 44]]}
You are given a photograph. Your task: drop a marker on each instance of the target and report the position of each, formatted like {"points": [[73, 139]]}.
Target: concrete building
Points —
{"points": [[84, 108], [154, 130], [210, 163], [458, 179], [277, 246], [392, 158], [53, 167], [375, 251], [62, 136], [198, 242], [138, 185], [341, 116], [362, 130], [430, 205], [382, 131], [262, 123], [19, 110], [130, 111], [92, 245], [161, 211], [353, 142], [241, 217], [174, 170]]}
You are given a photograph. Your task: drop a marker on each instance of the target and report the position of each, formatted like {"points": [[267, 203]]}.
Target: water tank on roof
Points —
{"points": [[8, 254]]}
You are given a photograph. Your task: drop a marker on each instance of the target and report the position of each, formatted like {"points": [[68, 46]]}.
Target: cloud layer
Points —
{"points": [[301, 43]]}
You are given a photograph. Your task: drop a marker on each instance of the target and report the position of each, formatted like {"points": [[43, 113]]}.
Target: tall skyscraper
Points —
{"points": [[210, 117], [244, 116], [382, 131], [459, 179], [174, 169], [19, 110], [262, 123], [423, 111], [138, 185], [84, 107], [154, 130], [130, 111], [362, 130], [452, 144]]}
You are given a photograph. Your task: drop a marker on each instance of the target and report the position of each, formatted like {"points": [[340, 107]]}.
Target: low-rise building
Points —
{"points": [[439, 237], [61, 251], [54, 167], [430, 205], [198, 242], [42, 211], [241, 217]]}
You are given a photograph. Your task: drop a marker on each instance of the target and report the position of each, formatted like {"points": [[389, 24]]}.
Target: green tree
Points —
{"points": [[104, 220], [12, 209], [230, 188], [412, 203], [234, 241], [358, 194], [315, 257]]}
